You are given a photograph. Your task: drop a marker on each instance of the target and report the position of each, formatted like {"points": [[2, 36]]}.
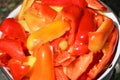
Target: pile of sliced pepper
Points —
{"points": [[58, 40]]}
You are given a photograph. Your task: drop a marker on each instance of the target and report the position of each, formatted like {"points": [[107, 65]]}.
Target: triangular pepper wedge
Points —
{"points": [[96, 4], [25, 5], [13, 48]]}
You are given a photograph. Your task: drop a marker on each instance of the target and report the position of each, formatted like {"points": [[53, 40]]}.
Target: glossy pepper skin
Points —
{"points": [[72, 14], [86, 25], [53, 30], [80, 3], [18, 69], [43, 68], [13, 48], [108, 51], [12, 29], [96, 4], [38, 15], [98, 38]]}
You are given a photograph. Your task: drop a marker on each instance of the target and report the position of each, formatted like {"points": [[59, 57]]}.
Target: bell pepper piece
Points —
{"points": [[43, 68], [24, 25], [98, 17], [11, 28], [30, 61], [73, 14], [96, 4], [86, 25], [108, 50], [25, 5], [48, 33], [13, 48], [78, 66], [98, 38], [4, 58], [56, 2], [43, 10], [63, 58], [33, 21], [80, 3], [17, 69], [59, 74], [38, 16]]}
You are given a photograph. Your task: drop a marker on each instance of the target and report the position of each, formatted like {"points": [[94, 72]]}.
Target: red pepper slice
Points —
{"points": [[4, 58], [73, 14], [86, 25], [43, 11], [11, 28], [80, 3], [13, 48], [17, 69]]}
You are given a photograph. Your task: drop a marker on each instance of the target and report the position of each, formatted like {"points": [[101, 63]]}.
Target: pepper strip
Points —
{"points": [[73, 14], [107, 50], [26, 4], [47, 33], [97, 39], [43, 68], [79, 66]]}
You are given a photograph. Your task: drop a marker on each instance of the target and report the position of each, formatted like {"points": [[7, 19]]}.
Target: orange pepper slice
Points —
{"points": [[97, 39], [108, 51], [43, 68], [47, 33]]}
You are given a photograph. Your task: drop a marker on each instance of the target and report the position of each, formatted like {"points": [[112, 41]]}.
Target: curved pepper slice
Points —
{"points": [[86, 25], [18, 69], [43, 68], [11, 28], [47, 33], [73, 14], [97, 39], [108, 51], [13, 49]]}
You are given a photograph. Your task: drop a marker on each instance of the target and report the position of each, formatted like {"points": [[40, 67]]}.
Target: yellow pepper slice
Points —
{"points": [[26, 4], [34, 22], [47, 33]]}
